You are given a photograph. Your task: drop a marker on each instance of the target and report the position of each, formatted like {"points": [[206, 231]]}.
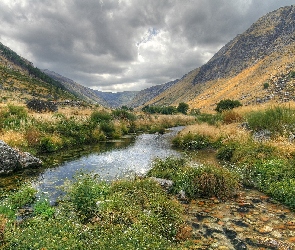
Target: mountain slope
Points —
{"points": [[145, 95], [116, 100], [21, 81], [75, 88], [240, 70]]}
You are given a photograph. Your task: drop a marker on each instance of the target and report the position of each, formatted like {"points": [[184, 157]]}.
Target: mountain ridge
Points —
{"points": [[264, 53]]}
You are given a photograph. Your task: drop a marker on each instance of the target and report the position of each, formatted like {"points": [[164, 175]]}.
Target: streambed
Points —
{"points": [[121, 159]]}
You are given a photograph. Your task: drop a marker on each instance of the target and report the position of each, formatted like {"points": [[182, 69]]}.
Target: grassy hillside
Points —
{"points": [[255, 67], [21, 81]]}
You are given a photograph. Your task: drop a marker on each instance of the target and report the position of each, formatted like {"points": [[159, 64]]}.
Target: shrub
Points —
{"points": [[200, 181], [278, 120], [42, 208], [227, 104], [25, 195], [84, 192], [265, 85], [207, 181], [108, 128], [123, 114], [194, 142], [183, 108], [252, 152], [230, 116], [48, 144], [100, 116], [226, 152], [167, 168], [284, 191]]}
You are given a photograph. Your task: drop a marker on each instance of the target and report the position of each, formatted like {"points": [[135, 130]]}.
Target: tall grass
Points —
{"points": [[278, 120], [135, 214]]}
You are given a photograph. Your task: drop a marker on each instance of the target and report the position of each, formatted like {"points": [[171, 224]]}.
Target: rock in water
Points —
{"points": [[12, 159]]}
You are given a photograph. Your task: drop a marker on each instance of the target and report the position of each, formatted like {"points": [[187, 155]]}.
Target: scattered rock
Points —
{"points": [[13, 159]]}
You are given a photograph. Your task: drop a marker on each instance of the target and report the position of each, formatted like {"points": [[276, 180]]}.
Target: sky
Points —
{"points": [[125, 45]]}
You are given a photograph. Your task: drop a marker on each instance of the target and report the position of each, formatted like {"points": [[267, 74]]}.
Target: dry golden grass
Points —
{"points": [[228, 132], [13, 138], [167, 120]]}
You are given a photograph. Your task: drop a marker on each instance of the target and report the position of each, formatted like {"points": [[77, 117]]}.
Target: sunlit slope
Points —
{"points": [[255, 67]]}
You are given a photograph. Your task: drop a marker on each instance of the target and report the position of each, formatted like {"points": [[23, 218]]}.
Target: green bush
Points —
{"points": [[207, 181], [226, 152], [25, 195], [251, 152], [278, 120], [48, 145], [200, 181], [194, 142], [227, 105], [265, 85], [100, 116], [123, 114], [283, 191], [42, 208], [167, 168], [84, 192], [183, 108], [108, 128], [271, 171]]}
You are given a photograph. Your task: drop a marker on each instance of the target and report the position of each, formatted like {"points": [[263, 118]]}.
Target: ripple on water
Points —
{"points": [[135, 159]]}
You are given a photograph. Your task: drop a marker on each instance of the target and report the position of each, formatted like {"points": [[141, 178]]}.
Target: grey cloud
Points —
{"points": [[96, 42]]}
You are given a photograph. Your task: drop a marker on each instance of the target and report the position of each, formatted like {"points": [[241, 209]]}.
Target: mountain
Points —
{"points": [[21, 81], [148, 94], [255, 67], [77, 89], [116, 100]]}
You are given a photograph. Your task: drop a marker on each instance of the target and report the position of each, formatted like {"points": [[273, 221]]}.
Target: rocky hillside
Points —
{"points": [[148, 94], [76, 88], [116, 100], [21, 81], [255, 67]]}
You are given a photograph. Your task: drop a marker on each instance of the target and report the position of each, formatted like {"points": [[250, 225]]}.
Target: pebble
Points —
{"points": [[252, 221]]}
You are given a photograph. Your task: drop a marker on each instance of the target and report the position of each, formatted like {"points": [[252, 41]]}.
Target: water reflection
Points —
{"points": [[117, 163]]}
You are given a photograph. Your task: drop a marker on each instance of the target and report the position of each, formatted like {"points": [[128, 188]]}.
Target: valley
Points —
{"points": [[224, 179]]}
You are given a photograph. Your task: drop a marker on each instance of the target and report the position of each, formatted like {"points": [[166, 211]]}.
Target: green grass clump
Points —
{"points": [[195, 142], [135, 214], [211, 119], [201, 181], [13, 117], [278, 120]]}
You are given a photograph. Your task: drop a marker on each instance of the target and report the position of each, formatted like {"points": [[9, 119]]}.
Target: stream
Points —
{"points": [[119, 159]]}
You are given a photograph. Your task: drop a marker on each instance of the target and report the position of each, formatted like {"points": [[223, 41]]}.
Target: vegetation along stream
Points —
{"points": [[112, 160]]}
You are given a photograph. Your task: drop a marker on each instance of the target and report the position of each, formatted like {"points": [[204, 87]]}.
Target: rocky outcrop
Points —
{"points": [[12, 159], [270, 33]]}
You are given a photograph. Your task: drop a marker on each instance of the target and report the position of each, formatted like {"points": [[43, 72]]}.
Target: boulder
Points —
{"points": [[12, 159]]}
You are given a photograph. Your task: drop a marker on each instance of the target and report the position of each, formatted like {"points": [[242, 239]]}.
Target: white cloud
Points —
{"points": [[125, 45]]}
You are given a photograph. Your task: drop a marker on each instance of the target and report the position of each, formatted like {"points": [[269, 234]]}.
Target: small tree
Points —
{"points": [[227, 105], [183, 108]]}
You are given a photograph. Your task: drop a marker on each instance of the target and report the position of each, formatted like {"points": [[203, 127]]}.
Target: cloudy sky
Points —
{"points": [[119, 45]]}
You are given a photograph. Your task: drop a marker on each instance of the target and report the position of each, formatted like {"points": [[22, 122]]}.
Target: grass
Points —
{"points": [[49, 132], [265, 165], [134, 214], [196, 181]]}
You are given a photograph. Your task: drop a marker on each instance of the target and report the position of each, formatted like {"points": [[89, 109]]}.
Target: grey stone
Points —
{"points": [[12, 159]]}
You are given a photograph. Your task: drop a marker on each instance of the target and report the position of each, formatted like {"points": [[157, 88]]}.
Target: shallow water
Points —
{"points": [[131, 160]]}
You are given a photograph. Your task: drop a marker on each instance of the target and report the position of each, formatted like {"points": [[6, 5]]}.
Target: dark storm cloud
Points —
{"points": [[125, 44]]}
